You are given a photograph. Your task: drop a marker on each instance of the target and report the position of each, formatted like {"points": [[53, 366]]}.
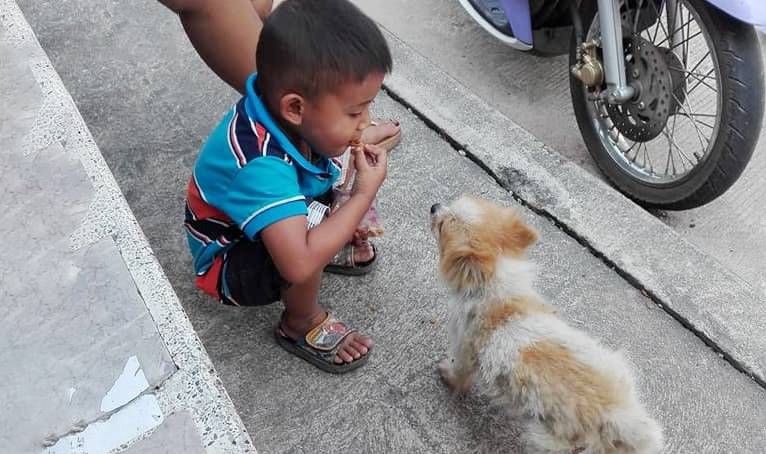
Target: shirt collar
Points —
{"points": [[256, 110]]}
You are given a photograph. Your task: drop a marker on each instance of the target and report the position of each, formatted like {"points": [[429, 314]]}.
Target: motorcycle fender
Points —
{"points": [[749, 11]]}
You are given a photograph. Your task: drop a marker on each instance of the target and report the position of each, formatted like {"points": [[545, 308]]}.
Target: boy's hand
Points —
{"points": [[371, 163]]}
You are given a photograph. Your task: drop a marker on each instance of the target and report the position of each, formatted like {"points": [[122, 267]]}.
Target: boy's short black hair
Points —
{"points": [[313, 46]]}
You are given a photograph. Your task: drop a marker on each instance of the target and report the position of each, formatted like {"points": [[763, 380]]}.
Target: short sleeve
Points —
{"points": [[265, 191]]}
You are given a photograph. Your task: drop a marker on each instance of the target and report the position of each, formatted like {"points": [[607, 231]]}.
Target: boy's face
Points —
{"points": [[329, 122]]}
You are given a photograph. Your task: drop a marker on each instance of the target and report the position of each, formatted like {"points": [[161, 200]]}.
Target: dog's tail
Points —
{"points": [[632, 431]]}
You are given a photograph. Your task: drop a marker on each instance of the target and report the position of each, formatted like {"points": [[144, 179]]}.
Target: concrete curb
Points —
{"points": [[195, 387], [718, 306]]}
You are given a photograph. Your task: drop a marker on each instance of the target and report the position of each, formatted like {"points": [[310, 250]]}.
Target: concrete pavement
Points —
{"points": [[395, 404], [96, 351]]}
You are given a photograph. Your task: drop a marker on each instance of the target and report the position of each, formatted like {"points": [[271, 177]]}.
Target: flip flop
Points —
{"points": [[343, 263], [320, 345]]}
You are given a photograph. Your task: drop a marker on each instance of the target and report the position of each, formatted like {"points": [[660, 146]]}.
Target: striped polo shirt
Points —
{"points": [[248, 176]]}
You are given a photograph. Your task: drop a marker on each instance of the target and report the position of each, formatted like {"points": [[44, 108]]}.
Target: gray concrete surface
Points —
{"points": [[396, 403], [534, 93], [177, 434], [96, 351]]}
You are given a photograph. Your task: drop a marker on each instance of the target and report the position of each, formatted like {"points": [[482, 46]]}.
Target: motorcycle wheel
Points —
{"points": [[688, 135]]}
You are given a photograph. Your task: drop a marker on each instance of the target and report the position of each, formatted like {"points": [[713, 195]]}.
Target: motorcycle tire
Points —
{"points": [[736, 50]]}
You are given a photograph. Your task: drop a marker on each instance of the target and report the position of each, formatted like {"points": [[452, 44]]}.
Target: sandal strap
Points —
{"points": [[344, 257], [328, 334]]}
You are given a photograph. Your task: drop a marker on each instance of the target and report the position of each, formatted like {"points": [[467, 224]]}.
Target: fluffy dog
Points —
{"points": [[573, 394]]}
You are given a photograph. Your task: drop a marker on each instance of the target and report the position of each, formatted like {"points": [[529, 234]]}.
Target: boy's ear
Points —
{"points": [[292, 107]]}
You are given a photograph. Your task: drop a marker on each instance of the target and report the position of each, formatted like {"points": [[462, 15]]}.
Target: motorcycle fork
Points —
{"points": [[618, 91]]}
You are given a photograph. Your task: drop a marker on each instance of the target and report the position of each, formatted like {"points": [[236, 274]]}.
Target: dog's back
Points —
{"points": [[576, 393]]}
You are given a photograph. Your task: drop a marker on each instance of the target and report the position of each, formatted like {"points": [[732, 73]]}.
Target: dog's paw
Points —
{"points": [[455, 383], [446, 372], [445, 368]]}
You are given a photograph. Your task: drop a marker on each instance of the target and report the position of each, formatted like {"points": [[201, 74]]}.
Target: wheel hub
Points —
{"points": [[644, 117]]}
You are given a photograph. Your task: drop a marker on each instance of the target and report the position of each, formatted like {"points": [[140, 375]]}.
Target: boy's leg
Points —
{"points": [[303, 312], [251, 279]]}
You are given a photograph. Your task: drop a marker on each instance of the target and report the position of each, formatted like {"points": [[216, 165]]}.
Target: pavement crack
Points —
{"points": [[82, 424]]}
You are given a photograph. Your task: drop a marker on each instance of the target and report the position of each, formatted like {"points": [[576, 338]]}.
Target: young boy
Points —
{"points": [[321, 63]]}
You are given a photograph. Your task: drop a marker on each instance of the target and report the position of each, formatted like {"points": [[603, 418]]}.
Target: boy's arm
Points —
{"points": [[299, 253]]}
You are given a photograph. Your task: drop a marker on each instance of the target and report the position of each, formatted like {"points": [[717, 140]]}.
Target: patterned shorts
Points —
{"points": [[250, 276]]}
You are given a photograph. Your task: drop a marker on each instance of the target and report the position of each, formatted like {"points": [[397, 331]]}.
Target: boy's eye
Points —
{"points": [[355, 114]]}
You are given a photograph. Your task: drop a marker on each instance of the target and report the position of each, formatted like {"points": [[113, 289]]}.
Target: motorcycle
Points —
{"points": [[668, 94]]}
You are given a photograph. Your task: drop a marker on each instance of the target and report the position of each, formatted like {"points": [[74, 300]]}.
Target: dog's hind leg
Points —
{"points": [[537, 438]]}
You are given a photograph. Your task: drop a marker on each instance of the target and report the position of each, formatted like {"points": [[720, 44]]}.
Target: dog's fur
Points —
{"points": [[573, 395]]}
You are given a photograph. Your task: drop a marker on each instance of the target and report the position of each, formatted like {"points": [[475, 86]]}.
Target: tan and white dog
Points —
{"points": [[573, 394]]}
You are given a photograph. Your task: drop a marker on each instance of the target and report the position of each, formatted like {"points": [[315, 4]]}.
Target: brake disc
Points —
{"points": [[644, 117]]}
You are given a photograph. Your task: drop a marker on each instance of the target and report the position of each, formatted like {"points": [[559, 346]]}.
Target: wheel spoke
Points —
{"points": [[697, 76], [657, 26], [679, 29], [627, 152], [700, 115], [638, 150], [674, 144], [686, 45], [697, 65], [699, 122], [688, 92], [670, 156], [700, 136], [659, 21], [670, 145], [686, 40], [638, 14], [647, 159], [681, 152]]}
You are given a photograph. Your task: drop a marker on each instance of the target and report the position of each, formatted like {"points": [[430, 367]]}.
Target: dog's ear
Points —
{"points": [[518, 236], [469, 267], [526, 236]]}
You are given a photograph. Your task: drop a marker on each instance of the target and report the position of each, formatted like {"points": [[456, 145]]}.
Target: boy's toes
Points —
{"points": [[359, 347], [343, 357], [353, 348], [366, 341]]}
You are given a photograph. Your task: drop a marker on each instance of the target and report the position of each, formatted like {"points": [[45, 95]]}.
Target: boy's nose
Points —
{"points": [[366, 121]]}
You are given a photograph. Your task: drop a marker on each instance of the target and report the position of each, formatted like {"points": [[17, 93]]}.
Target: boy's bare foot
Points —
{"points": [[379, 133], [353, 347]]}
